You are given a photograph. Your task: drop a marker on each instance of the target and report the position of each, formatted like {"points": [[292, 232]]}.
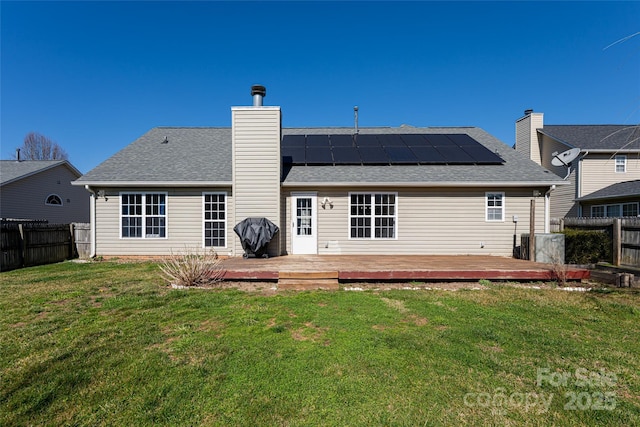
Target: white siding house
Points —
{"points": [[608, 155], [191, 186]]}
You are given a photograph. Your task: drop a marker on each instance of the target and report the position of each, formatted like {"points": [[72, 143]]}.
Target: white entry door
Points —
{"points": [[304, 227]]}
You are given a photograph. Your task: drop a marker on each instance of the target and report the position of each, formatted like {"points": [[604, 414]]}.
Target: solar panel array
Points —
{"points": [[387, 149]]}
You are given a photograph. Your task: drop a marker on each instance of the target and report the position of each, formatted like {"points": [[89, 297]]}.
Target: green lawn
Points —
{"points": [[109, 344]]}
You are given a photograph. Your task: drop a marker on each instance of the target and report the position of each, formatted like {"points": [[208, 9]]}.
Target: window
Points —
{"points": [[630, 209], [494, 207], [143, 211], [304, 216], [615, 210], [372, 215], [53, 200], [621, 164], [215, 219]]}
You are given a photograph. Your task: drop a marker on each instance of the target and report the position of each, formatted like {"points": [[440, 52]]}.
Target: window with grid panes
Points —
{"points": [[215, 219], [143, 215], [372, 215]]}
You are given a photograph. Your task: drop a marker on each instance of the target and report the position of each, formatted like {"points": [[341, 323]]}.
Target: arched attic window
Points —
{"points": [[53, 200]]}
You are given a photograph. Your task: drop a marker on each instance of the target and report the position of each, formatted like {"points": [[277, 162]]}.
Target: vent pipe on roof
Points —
{"points": [[17, 154], [258, 92], [355, 118]]}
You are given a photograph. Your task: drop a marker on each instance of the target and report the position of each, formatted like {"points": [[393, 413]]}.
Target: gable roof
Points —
{"points": [[12, 170], [615, 191], [613, 138], [197, 156], [191, 155]]}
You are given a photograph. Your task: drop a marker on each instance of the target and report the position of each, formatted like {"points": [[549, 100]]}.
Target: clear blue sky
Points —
{"points": [[94, 76]]}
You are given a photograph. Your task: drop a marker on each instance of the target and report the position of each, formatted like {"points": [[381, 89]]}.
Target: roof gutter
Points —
{"points": [[447, 184], [152, 183], [92, 215], [611, 150]]}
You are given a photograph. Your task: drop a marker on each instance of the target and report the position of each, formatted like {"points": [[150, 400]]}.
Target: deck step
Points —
{"points": [[305, 280]]}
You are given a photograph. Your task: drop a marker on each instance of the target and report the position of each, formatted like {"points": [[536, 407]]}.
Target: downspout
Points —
{"points": [[547, 209], [579, 182], [92, 214]]}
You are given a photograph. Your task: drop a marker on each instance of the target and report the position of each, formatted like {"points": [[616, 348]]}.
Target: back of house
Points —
{"points": [[329, 190]]}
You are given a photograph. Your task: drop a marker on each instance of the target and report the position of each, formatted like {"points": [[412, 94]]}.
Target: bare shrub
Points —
{"points": [[192, 267]]}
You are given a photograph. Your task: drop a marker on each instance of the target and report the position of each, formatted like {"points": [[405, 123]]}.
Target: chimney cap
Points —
{"points": [[528, 111], [258, 90]]}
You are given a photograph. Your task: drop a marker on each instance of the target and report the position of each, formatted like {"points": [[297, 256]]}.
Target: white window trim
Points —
{"points": [[226, 216], [486, 206], [53, 204], [623, 161], [144, 215], [606, 206], [373, 216]]}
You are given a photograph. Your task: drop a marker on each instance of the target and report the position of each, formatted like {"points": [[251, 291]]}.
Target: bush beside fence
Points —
{"points": [[624, 234]]}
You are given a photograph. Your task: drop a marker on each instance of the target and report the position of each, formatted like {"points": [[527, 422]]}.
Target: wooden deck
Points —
{"points": [[329, 270]]}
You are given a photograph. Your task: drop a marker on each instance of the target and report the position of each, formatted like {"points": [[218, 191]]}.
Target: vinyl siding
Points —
{"points": [[562, 199], [598, 171], [527, 136], [430, 221], [184, 213], [25, 198], [256, 171], [548, 147]]}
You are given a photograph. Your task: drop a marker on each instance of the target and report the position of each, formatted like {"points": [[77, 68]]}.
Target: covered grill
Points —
{"points": [[255, 235]]}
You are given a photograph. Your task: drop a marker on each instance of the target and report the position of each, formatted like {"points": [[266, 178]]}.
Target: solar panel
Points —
{"points": [[438, 140], [415, 140], [317, 140], [373, 155], [342, 140], [400, 155], [401, 149], [346, 156], [481, 154], [366, 141], [292, 140], [293, 155], [455, 154], [462, 139], [319, 156], [391, 141], [428, 155]]}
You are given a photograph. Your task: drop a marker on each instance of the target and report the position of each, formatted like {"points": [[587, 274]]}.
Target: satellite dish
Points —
{"points": [[565, 158]]}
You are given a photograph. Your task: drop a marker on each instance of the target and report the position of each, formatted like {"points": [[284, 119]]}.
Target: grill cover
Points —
{"points": [[255, 234]]}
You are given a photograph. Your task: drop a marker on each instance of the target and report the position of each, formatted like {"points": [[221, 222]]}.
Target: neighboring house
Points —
{"points": [[616, 200], [405, 190], [609, 156], [42, 190]]}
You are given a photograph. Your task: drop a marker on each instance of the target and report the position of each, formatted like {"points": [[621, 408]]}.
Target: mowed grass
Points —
{"points": [[110, 344]]}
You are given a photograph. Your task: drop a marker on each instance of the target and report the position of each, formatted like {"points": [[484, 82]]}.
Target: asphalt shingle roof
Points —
{"points": [[203, 155], [614, 191], [596, 137], [12, 170]]}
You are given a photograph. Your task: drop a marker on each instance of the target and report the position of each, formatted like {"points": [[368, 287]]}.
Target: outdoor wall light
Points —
{"points": [[325, 201]]}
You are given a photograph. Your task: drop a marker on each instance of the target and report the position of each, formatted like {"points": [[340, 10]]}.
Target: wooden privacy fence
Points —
{"points": [[27, 244], [82, 239], [625, 233]]}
